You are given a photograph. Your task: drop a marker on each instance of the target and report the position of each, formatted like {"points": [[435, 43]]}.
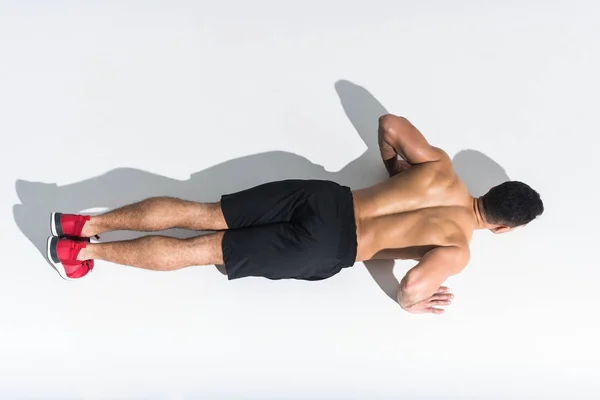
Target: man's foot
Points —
{"points": [[69, 225], [62, 253]]}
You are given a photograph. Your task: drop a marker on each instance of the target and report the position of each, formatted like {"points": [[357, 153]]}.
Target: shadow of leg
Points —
{"points": [[113, 189], [34, 223], [126, 185]]}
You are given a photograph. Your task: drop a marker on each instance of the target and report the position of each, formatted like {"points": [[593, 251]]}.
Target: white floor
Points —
{"points": [[106, 103]]}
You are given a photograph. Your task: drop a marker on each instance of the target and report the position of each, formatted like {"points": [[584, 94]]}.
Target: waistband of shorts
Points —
{"points": [[347, 247]]}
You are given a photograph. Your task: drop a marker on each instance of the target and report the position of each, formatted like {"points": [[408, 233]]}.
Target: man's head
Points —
{"points": [[510, 205]]}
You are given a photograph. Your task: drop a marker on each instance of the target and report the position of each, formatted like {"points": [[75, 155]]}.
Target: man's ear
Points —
{"points": [[500, 229]]}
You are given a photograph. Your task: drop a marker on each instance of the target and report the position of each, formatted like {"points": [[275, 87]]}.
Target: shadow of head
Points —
{"points": [[479, 172], [127, 185]]}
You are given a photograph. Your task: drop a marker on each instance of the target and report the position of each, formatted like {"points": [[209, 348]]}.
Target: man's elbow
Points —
{"points": [[391, 125], [411, 290], [414, 287], [391, 121]]}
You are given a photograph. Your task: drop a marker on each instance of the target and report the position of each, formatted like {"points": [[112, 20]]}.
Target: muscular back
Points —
{"points": [[425, 207], [422, 212]]}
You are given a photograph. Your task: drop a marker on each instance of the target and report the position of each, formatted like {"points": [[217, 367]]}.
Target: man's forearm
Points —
{"points": [[406, 302]]}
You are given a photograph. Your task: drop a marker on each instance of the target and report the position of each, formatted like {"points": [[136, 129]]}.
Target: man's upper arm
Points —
{"points": [[435, 267], [407, 140]]}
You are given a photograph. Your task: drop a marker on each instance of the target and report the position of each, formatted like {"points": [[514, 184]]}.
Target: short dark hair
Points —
{"points": [[512, 204]]}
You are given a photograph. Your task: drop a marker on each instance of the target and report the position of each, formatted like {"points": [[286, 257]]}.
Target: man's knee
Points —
{"points": [[208, 248], [216, 216]]}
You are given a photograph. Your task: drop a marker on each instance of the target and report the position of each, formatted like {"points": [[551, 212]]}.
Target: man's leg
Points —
{"points": [[157, 214], [267, 204], [159, 253]]}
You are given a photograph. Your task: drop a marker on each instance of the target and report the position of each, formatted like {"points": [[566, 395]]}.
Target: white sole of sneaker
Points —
{"points": [[58, 266], [53, 224]]}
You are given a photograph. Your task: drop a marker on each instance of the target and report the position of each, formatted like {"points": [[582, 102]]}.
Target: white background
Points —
{"points": [[104, 103]]}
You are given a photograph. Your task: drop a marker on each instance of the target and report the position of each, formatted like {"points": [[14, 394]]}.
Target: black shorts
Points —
{"points": [[299, 229]]}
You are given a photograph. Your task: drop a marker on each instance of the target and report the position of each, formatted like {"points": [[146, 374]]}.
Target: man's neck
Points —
{"points": [[478, 217]]}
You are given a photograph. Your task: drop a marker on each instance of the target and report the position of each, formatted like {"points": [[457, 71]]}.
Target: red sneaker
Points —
{"points": [[62, 253], [67, 225]]}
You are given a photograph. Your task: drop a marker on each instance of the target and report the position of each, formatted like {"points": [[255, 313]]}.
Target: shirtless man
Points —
{"points": [[312, 229]]}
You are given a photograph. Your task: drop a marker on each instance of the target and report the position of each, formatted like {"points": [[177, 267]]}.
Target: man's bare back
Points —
{"points": [[408, 215]]}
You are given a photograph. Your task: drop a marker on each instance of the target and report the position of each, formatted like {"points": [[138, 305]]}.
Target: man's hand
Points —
{"points": [[430, 305]]}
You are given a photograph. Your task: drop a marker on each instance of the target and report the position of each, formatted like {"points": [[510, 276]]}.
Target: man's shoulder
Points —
{"points": [[454, 257], [442, 164], [443, 159]]}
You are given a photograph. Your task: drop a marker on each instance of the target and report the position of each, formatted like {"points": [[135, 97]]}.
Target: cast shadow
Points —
{"points": [[127, 185]]}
